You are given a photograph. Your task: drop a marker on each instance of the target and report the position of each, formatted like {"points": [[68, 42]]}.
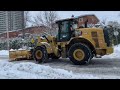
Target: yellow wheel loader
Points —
{"points": [[80, 45]]}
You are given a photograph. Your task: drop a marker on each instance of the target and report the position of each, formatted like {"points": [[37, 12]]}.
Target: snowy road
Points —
{"points": [[99, 67]]}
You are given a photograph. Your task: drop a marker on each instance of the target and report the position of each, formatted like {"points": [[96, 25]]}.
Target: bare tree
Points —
{"points": [[114, 24], [46, 18], [27, 18], [104, 21]]}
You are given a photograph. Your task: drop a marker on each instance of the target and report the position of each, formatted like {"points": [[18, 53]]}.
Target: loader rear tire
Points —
{"points": [[79, 54], [40, 54]]}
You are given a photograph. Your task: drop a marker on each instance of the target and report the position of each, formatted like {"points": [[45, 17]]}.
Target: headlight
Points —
{"points": [[78, 33]]}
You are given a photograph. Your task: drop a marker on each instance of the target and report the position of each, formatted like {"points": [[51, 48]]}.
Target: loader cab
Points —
{"points": [[66, 29]]}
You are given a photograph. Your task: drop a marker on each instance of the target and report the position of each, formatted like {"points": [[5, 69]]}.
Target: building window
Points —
{"points": [[80, 19]]}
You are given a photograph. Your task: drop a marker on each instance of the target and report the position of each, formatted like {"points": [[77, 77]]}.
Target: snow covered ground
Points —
{"points": [[116, 53], [30, 70], [4, 52]]}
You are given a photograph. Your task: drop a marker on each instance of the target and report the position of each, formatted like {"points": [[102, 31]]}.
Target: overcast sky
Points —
{"points": [[109, 15]]}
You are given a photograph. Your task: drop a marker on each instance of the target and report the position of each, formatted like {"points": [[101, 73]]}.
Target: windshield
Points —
{"points": [[64, 27]]}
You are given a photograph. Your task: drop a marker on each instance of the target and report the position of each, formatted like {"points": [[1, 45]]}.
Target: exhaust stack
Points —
{"points": [[86, 23]]}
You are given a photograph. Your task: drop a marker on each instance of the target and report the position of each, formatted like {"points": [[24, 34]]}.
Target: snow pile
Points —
{"points": [[4, 52], [28, 70], [12, 50], [115, 54], [21, 49]]}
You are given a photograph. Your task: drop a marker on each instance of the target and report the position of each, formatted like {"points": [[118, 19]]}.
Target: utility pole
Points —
{"points": [[23, 25], [7, 29]]}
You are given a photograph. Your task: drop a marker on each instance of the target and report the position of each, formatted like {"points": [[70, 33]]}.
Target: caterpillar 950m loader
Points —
{"points": [[80, 45]]}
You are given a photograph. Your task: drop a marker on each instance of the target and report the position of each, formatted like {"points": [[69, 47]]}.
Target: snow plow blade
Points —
{"points": [[20, 55]]}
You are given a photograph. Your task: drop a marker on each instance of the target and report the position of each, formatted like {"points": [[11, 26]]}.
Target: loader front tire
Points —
{"points": [[40, 54], [79, 54]]}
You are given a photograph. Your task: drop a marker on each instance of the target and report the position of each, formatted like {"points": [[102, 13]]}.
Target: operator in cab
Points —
{"points": [[73, 26]]}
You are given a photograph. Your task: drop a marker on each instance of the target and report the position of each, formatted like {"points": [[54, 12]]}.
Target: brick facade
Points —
{"points": [[92, 19], [30, 30]]}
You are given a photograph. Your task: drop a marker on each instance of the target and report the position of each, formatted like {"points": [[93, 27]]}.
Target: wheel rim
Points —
{"points": [[79, 54], [38, 54]]}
